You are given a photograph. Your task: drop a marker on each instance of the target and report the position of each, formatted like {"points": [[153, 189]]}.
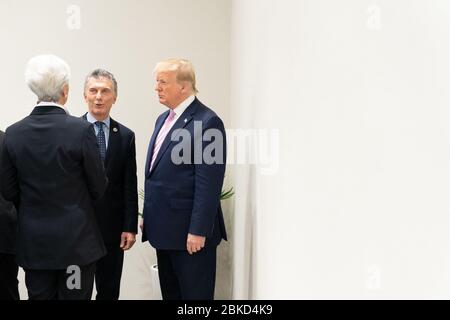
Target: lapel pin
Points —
{"points": [[185, 120], [116, 130]]}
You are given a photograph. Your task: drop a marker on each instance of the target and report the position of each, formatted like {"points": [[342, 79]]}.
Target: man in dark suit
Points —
{"points": [[9, 289], [52, 171], [183, 180], [117, 210]]}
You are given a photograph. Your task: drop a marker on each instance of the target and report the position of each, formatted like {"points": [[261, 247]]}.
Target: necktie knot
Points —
{"points": [[99, 125], [171, 116]]}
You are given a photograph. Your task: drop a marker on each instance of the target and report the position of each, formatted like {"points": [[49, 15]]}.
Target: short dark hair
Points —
{"points": [[101, 73]]}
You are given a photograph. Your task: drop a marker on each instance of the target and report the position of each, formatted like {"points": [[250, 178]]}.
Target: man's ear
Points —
{"points": [[185, 86]]}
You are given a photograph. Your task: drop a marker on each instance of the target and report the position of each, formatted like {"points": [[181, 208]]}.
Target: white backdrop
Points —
{"points": [[360, 92], [128, 38], [352, 202]]}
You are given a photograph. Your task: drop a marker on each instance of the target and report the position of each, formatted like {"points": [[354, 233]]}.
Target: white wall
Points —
{"points": [[360, 92], [128, 38]]}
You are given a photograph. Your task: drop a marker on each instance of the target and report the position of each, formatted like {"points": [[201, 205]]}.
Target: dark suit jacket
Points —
{"points": [[182, 199], [8, 220], [117, 210], [51, 170]]}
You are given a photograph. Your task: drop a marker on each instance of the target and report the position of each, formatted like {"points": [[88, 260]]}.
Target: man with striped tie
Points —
{"points": [[117, 210], [182, 215]]}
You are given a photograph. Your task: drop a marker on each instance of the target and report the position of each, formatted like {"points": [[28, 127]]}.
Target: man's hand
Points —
{"points": [[195, 243], [127, 240]]}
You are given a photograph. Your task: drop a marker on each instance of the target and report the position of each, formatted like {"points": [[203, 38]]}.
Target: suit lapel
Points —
{"points": [[151, 146], [113, 144], [181, 123]]}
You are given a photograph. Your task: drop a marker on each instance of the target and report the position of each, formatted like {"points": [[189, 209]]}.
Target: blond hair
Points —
{"points": [[183, 68]]}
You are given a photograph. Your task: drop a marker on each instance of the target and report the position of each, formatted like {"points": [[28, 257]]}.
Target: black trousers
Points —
{"points": [[109, 274], [9, 285], [186, 277], [60, 284]]}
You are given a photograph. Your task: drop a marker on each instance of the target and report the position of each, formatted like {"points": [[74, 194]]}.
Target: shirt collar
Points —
{"points": [[183, 106], [91, 119], [52, 104]]}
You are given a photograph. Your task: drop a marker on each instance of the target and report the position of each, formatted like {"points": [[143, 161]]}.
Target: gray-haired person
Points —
{"points": [[52, 172]]}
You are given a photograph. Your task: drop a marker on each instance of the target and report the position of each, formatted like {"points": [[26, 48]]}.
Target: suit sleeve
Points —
{"points": [[9, 183], [209, 181], [130, 190], [93, 165]]}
